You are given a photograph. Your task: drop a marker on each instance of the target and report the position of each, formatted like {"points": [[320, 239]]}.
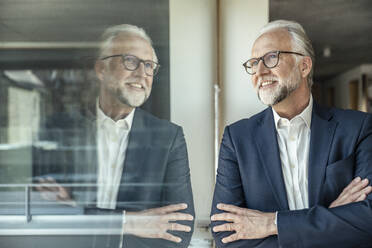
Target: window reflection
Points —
{"points": [[77, 147]]}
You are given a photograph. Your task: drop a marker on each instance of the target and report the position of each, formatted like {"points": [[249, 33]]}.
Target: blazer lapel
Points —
{"points": [[91, 144], [269, 153], [322, 132], [134, 156]]}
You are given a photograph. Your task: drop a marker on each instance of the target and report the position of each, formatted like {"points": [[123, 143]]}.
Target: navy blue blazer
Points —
{"points": [[250, 176], [156, 169]]}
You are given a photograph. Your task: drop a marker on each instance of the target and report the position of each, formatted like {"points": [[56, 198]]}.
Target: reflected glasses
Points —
{"points": [[131, 63], [270, 60]]}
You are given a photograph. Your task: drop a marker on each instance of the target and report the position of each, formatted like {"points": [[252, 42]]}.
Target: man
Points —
{"points": [[291, 176], [139, 162]]}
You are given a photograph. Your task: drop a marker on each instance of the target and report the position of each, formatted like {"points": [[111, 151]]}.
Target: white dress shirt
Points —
{"points": [[294, 143], [112, 143]]}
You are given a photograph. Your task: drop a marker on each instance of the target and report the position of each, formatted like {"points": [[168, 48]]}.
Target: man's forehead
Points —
{"points": [[278, 39], [131, 43]]}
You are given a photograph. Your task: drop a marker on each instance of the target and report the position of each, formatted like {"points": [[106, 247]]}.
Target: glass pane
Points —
{"points": [[84, 161]]}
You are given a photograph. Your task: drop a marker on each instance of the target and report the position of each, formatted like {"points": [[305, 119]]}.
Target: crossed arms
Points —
{"points": [[170, 225], [345, 222]]}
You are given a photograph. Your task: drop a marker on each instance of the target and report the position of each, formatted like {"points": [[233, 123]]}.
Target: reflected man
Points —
{"points": [[296, 174], [140, 164]]}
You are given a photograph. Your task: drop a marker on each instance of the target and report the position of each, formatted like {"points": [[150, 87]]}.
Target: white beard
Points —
{"points": [[284, 88], [126, 96]]}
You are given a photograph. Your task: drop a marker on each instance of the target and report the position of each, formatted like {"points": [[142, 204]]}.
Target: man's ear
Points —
{"points": [[99, 68], [306, 65]]}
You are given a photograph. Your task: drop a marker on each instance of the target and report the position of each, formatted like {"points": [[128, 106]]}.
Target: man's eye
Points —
{"points": [[253, 63], [149, 65], [131, 60]]}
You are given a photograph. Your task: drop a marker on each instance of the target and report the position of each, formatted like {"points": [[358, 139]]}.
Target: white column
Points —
{"points": [[192, 74], [193, 71], [240, 22]]}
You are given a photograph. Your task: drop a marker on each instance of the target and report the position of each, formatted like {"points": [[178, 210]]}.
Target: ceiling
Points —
{"points": [[78, 20], [56, 33], [345, 26]]}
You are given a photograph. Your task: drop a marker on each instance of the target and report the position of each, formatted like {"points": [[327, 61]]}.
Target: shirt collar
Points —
{"points": [[305, 115], [103, 119]]}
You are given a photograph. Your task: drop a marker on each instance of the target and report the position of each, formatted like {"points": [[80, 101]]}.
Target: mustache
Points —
{"points": [[265, 79], [136, 81]]}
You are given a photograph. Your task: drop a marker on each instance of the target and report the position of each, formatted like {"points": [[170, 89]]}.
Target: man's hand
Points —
{"points": [[52, 191], [155, 222], [356, 191], [247, 223]]}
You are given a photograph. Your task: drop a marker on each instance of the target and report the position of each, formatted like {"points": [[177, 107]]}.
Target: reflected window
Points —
{"points": [[88, 155]]}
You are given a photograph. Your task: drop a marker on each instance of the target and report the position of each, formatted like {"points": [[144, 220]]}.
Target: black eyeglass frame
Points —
{"points": [[246, 67], [156, 70]]}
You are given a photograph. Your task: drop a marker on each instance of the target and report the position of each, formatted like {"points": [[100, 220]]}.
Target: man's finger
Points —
{"points": [[51, 180], [50, 188], [171, 237], [48, 184], [362, 184], [362, 197], [227, 227], [224, 217], [42, 188], [179, 216], [168, 209], [39, 188], [178, 227], [355, 192], [354, 182], [366, 191], [231, 238], [230, 208]]}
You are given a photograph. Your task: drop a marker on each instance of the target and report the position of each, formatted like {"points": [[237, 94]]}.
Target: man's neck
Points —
{"points": [[114, 108], [295, 103]]}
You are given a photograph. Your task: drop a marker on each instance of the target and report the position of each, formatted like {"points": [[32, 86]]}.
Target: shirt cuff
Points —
{"points": [[276, 218], [123, 220]]}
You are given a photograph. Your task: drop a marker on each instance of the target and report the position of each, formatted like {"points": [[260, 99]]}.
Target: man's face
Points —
{"points": [[129, 87], [275, 84]]}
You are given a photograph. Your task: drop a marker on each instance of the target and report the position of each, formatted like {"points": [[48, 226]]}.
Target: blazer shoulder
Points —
{"points": [[348, 116], [151, 122], [252, 121]]}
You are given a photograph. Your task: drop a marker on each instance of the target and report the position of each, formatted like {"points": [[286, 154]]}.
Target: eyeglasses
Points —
{"points": [[131, 63], [270, 60]]}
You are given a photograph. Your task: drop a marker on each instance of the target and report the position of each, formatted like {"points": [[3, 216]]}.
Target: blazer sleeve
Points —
{"points": [[344, 226], [229, 190], [176, 189]]}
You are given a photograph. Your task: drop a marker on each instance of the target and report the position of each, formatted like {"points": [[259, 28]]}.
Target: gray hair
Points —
{"points": [[124, 29], [300, 40]]}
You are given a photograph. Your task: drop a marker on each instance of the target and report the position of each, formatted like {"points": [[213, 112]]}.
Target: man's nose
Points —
{"points": [[261, 68], [140, 71]]}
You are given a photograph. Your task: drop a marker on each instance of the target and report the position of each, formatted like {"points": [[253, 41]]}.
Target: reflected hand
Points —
{"points": [[246, 223], [155, 222], [52, 191], [356, 191]]}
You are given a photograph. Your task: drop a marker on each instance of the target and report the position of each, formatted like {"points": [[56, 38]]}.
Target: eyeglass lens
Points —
{"points": [[270, 60], [132, 63]]}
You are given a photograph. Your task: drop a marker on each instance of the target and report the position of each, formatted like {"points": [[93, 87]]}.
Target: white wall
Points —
{"points": [[192, 74], [240, 22]]}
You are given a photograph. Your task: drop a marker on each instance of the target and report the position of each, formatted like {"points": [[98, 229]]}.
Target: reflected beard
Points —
{"points": [[132, 100]]}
